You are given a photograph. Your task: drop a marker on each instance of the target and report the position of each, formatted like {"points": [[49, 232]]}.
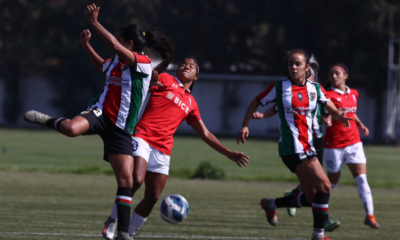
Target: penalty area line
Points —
{"points": [[150, 236]]}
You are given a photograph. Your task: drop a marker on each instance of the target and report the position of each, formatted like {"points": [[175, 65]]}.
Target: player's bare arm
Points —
{"points": [[94, 58], [267, 114], [92, 12], [239, 158], [361, 125], [244, 132], [337, 114]]}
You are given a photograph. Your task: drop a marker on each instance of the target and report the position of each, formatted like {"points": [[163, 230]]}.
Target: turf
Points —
{"points": [[49, 151], [79, 204]]}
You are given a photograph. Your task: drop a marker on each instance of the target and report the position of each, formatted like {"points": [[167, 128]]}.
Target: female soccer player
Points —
{"points": [[297, 99], [343, 145], [319, 118], [115, 112], [168, 106]]}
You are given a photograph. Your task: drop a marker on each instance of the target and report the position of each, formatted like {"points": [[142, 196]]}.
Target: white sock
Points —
{"points": [[318, 233], [364, 191], [334, 185], [114, 212], [136, 222]]}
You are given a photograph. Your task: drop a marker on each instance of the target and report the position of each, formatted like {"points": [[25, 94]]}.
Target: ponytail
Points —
{"points": [[151, 39], [161, 44]]}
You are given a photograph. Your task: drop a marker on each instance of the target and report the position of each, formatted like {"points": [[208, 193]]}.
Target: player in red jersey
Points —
{"points": [[152, 139], [114, 114], [343, 145]]}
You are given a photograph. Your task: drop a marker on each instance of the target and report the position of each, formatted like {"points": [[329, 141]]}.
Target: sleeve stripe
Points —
{"points": [[111, 61], [142, 58], [268, 95]]}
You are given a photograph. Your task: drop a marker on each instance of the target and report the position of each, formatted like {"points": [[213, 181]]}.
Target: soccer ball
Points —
{"points": [[174, 209]]}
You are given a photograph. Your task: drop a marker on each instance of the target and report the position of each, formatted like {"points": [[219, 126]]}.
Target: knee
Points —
{"points": [[326, 187], [137, 182], [125, 181]]}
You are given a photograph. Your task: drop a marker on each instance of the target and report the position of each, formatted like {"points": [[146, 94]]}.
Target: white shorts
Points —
{"points": [[157, 161], [336, 157]]}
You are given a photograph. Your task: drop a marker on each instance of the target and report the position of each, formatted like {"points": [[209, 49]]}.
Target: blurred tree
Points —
{"points": [[41, 38]]}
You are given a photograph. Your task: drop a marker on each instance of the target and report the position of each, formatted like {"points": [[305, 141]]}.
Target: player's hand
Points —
{"points": [[239, 158], [91, 13], [345, 120], [243, 134], [365, 130], [85, 36], [257, 115], [327, 121], [155, 81]]}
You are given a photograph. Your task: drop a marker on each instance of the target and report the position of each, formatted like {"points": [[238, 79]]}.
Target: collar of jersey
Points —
{"points": [[181, 84], [293, 83], [340, 91]]}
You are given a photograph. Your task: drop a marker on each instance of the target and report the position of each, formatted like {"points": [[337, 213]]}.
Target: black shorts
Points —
{"points": [[116, 140], [319, 147], [292, 161]]}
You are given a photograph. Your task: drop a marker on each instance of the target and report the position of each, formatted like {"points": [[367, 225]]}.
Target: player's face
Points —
{"points": [[121, 40], [297, 66], [337, 76], [187, 70]]}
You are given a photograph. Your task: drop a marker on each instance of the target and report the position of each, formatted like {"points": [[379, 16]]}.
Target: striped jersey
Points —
{"points": [[296, 107], [125, 90]]}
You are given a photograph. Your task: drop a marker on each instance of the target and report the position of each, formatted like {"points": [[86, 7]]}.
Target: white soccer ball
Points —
{"points": [[174, 208]]}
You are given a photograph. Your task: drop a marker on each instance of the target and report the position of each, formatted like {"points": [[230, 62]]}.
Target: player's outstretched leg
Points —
{"points": [[71, 128]]}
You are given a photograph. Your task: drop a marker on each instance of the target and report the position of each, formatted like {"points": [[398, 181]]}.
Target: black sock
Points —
{"points": [[320, 208], [55, 123], [296, 190], [287, 201], [123, 201], [303, 201]]}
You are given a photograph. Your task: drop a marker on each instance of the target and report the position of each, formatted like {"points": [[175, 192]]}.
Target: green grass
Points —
{"points": [[49, 151], [79, 204]]}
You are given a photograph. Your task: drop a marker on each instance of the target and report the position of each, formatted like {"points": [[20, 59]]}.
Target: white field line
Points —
{"points": [[151, 236]]}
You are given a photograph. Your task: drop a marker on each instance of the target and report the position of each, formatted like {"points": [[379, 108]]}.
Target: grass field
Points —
{"points": [[49, 151], [39, 195], [79, 204]]}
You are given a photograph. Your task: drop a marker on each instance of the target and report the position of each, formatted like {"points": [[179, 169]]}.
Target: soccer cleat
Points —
{"points": [[290, 210], [123, 236], [324, 238], [36, 117], [371, 221], [331, 225], [270, 212], [109, 228]]}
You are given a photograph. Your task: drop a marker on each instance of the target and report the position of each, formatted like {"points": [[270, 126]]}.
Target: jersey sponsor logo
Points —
{"points": [[170, 95], [135, 145], [339, 99], [174, 85], [298, 110], [349, 109], [182, 105], [287, 95], [300, 96], [97, 112], [312, 96]]}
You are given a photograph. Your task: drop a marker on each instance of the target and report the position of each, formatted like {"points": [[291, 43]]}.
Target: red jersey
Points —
{"points": [[168, 106], [339, 136]]}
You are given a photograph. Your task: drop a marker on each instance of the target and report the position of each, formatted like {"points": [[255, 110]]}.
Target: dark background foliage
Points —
{"points": [[41, 38]]}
